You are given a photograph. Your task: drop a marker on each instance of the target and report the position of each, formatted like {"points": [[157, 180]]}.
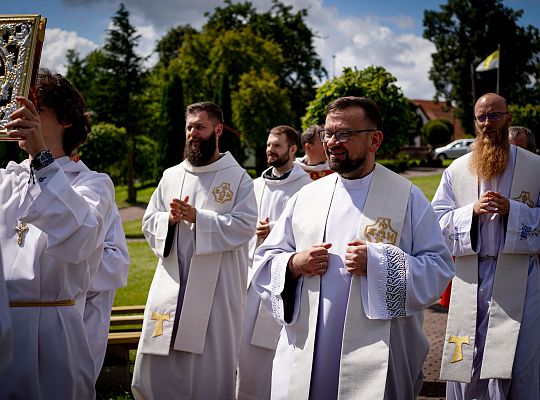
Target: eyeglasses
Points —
{"points": [[341, 136], [491, 116]]}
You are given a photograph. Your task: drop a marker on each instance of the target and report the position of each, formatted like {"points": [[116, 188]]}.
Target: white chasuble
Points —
{"points": [[365, 349], [204, 271], [509, 286]]}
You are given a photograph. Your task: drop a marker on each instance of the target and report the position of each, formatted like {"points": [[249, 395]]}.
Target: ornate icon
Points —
{"points": [[223, 193], [525, 197], [21, 40]]}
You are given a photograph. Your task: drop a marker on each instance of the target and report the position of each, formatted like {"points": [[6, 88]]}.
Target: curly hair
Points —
{"points": [[57, 93]]}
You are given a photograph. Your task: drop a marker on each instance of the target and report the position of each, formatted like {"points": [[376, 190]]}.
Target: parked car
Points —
{"points": [[453, 150]]}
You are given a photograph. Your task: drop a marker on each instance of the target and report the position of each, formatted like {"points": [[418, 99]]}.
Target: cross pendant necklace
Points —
{"points": [[22, 229]]}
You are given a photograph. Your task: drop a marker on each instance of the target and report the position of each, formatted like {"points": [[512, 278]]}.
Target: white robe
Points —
{"points": [[5, 324], [211, 375], [255, 363], [423, 256], [66, 207], [456, 224], [112, 274]]}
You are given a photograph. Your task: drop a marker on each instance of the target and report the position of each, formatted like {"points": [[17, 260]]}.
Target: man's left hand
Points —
{"points": [[263, 228], [183, 210], [356, 257], [498, 204]]}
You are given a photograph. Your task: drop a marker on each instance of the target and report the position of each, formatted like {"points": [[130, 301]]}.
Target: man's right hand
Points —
{"points": [[312, 261]]}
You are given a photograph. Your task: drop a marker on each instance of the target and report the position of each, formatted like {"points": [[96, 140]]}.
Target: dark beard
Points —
{"points": [[490, 155], [202, 154], [346, 165], [280, 161]]}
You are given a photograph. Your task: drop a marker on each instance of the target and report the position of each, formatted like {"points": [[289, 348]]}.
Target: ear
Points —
{"points": [[293, 149], [308, 147], [219, 130], [376, 141]]}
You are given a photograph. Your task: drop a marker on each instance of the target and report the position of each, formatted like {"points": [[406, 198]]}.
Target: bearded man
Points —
{"points": [[261, 332], [348, 268], [488, 206], [199, 222]]}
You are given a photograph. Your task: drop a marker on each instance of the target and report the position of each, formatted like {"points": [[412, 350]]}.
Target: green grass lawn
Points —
{"points": [[132, 229], [141, 271], [427, 184], [144, 192]]}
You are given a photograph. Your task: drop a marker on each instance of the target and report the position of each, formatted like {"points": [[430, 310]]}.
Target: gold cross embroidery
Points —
{"points": [[21, 229], [159, 318], [459, 341]]}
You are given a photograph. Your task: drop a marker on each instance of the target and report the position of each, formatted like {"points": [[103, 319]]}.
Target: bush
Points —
{"points": [[437, 132]]}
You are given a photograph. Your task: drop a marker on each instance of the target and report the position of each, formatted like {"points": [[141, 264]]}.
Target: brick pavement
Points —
{"points": [[434, 328]]}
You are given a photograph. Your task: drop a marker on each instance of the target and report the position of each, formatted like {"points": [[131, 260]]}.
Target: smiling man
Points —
{"points": [[198, 222], [488, 205], [351, 263]]}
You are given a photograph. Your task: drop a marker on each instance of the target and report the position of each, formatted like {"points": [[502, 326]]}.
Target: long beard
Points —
{"points": [[490, 155], [203, 153]]}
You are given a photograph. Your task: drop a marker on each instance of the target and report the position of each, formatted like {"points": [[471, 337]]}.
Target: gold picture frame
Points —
{"points": [[21, 41]]}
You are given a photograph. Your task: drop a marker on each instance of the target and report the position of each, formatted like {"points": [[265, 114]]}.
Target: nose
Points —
{"points": [[332, 141]]}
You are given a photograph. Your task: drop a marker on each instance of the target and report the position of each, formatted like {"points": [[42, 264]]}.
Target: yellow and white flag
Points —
{"points": [[491, 62]]}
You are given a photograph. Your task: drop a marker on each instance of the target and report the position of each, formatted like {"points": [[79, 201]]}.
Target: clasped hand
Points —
{"points": [[314, 260], [181, 210], [491, 203]]}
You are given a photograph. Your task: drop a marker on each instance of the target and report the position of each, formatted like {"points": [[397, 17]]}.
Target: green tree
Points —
{"points": [[125, 72], [377, 84], [104, 149], [168, 46], [280, 25], [528, 116], [437, 132], [257, 106], [464, 33]]}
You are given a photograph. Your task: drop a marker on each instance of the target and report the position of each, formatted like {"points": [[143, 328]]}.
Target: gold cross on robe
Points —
{"points": [[459, 341], [159, 318], [21, 229]]}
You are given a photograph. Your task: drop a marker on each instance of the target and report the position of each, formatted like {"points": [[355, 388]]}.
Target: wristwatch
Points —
{"points": [[41, 160]]}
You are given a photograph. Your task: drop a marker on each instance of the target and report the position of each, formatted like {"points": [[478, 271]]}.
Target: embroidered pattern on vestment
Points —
{"points": [[397, 276]]}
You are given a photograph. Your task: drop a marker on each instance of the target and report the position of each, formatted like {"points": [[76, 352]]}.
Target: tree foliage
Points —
{"points": [[112, 80], [258, 105], [465, 32], [437, 132], [528, 116], [377, 84]]}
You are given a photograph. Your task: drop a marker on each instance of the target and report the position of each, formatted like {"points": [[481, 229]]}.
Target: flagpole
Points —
{"points": [[499, 67]]}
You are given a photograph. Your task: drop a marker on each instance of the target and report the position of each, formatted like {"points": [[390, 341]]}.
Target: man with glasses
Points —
{"points": [[351, 263], [198, 222], [488, 206], [261, 332]]}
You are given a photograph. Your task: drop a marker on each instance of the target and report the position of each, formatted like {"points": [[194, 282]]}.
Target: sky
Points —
{"points": [[349, 33]]}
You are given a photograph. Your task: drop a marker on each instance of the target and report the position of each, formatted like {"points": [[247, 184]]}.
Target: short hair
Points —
{"points": [[57, 93], [515, 131], [310, 134], [213, 110], [370, 108], [290, 133]]}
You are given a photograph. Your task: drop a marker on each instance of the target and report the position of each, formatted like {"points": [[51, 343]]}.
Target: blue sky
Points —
{"points": [[350, 33]]}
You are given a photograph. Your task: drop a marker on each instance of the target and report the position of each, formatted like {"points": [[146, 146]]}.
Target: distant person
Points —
{"points": [[199, 222], [522, 137], [261, 332], [488, 205], [54, 215], [314, 162], [348, 270]]}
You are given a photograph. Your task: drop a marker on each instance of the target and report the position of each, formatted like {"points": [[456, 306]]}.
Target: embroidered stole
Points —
{"points": [[201, 282], [509, 287], [365, 349]]}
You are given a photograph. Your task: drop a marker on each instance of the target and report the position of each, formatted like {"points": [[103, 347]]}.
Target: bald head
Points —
{"points": [[492, 99]]}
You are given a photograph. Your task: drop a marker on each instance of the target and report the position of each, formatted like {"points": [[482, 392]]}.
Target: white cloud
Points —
{"points": [[354, 41], [57, 43]]}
